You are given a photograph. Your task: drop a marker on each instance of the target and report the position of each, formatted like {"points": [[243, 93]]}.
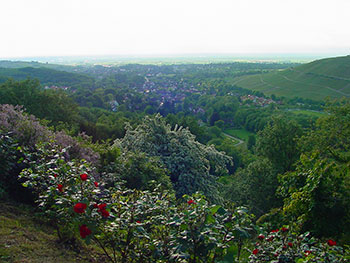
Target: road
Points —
{"points": [[235, 138]]}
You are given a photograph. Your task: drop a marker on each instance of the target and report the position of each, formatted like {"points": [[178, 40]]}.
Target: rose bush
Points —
{"points": [[154, 226], [283, 245], [132, 225]]}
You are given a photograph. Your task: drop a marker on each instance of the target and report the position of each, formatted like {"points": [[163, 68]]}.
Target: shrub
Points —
{"points": [[28, 131], [133, 225], [283, 245]]}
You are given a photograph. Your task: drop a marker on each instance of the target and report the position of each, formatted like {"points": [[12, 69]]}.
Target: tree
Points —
{"points": [[277, 142], [255, 186], [55, 106], [220, 124], [251, 142], [192, 165], [316, 194], [138, 170], [213, 118]]}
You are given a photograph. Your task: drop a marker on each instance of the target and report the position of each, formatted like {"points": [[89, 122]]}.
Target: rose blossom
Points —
{"points": [[84, 177], [84, 231], [80, 208]]}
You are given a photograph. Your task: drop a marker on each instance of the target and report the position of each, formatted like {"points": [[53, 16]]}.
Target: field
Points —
{"points": [[239, 133], [308, 112], [316, 80]]}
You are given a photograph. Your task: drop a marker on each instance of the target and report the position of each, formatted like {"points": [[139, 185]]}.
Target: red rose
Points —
{"points": [[190, 202], [105, 213], [95, 206], [290, 244], [96, 184], [60, 187], [102, 210], [80, 208], [255, 251], [55, 175], [275, 231], [283, 229], [102, 207], [84, 231], [84, 177], [138, 221], [270, 239], [261, 237], [331, 242], [307, 252]]}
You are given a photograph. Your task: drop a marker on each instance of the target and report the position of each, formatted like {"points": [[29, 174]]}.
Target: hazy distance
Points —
{"points": [[42, 28]]}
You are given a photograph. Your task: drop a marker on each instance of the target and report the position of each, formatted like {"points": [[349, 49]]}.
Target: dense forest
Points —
{"points": [[176, 163]]}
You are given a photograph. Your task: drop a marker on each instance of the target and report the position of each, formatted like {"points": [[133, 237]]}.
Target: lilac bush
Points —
{"points": [[29, 131]]}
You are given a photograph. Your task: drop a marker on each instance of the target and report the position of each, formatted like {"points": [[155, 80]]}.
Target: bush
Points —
{"points": [[283, 245], [28, 131], [133, 225], [10, 167], [152, 226]]}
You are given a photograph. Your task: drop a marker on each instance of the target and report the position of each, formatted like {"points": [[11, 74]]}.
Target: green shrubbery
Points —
{"points": [[127, 205], [153, 226], [133, 225], [284, 245]]}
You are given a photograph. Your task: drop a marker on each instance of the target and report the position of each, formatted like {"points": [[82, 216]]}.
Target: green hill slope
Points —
{"points": [[24, 238], [315, 80]]}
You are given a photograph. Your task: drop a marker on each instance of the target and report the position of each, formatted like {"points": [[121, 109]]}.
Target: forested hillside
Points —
{"points": [[47, 77], [176, 163]]}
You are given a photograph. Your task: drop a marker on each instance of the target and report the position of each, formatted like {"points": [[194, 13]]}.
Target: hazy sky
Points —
{"points": [[156, 27]]}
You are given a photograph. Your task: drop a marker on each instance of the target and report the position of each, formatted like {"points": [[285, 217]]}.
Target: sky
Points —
{"points": [[30, 28]]}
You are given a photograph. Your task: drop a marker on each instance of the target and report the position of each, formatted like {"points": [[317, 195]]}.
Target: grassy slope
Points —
{"points": [[315, 80], [308, 112], [24, 238], [239, 133]]}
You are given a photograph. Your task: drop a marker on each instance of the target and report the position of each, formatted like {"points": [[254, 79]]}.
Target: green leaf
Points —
{"points": [[210, 219], [230, 255], [221, 211], [214, 209]]}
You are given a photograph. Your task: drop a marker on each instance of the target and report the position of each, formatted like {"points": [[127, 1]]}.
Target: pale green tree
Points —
{"points": [[192, 166]]}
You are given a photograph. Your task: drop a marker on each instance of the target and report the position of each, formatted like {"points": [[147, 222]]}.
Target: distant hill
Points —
{"points": [[46, 76], [316, 80], [34, 64]]}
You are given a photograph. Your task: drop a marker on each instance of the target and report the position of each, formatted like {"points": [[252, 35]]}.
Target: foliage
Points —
{"points": [[284, 245], [150, 226], [25, 128], [28, 131], [277, 142], [192, 166], [251, 142], [55, 106], [316, 194], [138, 170], [8, 161], [243, 189], [57, 185], [133, 225]]}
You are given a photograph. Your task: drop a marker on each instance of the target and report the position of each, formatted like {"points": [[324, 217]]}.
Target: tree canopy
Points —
{"points": [[192, 165]]}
